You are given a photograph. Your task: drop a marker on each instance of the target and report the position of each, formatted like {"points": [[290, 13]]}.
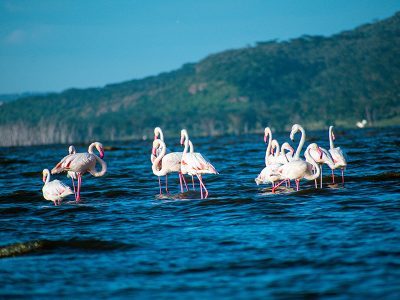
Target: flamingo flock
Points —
{"points": [[282, 164], [75, 164], [284, 167], [191, 163]]}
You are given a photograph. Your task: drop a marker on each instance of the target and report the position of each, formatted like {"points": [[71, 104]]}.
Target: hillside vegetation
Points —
{"points": [[313, 80]]}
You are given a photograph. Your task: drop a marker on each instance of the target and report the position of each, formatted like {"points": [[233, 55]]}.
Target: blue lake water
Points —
{"points": [[124, 241]]}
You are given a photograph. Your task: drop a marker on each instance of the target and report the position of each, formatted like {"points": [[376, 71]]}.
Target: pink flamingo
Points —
{"points": [[165, 163], [321, 157], [269, 174], [158, 134], [338, 156], [54, 190], [297, 168], [82, 163], [194, 163]]}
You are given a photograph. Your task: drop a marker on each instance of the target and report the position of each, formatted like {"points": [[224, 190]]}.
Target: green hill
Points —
{"points": [[313, 80]]}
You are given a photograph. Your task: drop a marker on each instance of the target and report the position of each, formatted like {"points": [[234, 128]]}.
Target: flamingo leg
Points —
{"points": [[184, 181], [193, 183], [78, 194], [201, 190], [73, 184], [180, 181], [297, 184], [288, 182], [333, 176], [159, 184], [320, 185], [166, 184], [204, 187], [316, 184], [276, 186], [343, 176]]}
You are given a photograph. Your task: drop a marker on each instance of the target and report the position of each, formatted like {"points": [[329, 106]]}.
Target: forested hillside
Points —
{"points": [[313, 80]]}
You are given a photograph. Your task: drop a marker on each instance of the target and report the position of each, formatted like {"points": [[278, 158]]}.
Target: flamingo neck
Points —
{"points": [[186, 142], [268, 151], [301, 143], [315, 165], [47, 174], [191, 148], [157, 161], [331, 145], [103, 169], [91, 146], [277, 148]]}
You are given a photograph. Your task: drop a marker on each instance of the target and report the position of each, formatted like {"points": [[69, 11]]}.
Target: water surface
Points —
{"points": [[243, 242]]}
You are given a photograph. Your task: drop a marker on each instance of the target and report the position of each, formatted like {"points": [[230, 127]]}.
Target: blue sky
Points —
{"points": [[54, 45]]}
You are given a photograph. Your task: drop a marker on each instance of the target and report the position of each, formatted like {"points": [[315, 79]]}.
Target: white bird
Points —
{"points": [[54, 190], [297, 168], [338, 156], [82, 163], [165, 163], [269, 174], [321, 157], [195, 163]]}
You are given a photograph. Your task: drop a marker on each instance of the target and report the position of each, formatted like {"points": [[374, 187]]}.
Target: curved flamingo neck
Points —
{"points": [[158, 132], [91, 146], [315, 165], [275, 146], [157, 161], [103, 169], [186, 141], [269, 133], [191, 148], [331, 145], [301, 143], [47, 174]]}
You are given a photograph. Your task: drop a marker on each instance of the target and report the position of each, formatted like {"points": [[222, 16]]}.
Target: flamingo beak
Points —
{"points": [[272, 151], [155, 137], [153, 151], [182, 138], [101, 153], [44, 178], [265, 138], [333, 136]]}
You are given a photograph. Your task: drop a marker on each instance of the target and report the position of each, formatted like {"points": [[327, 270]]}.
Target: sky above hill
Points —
{"points": [[48, 45]]}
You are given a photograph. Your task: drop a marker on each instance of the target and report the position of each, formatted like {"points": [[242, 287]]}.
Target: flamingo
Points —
{"points": [[194, 163], [159, 134], [54, 190], [269, 174], [71, 174], [338, 156], [321, 156], [82, 163], [165, 164], [297, 168]]}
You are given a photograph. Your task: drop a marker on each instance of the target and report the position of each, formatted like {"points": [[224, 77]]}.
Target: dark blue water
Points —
{"points": [[242, 242]]}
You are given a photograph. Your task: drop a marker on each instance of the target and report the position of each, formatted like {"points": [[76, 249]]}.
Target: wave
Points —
{"points": [[46, 246]]}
